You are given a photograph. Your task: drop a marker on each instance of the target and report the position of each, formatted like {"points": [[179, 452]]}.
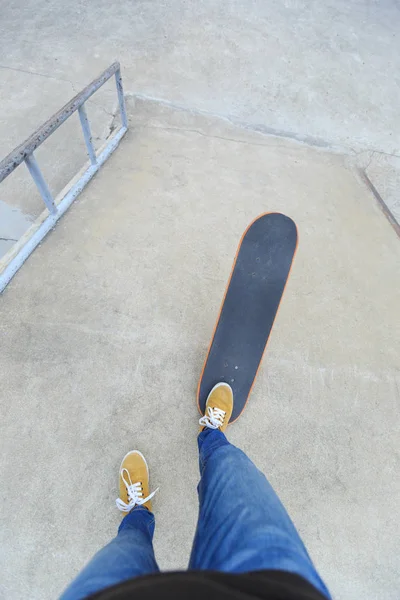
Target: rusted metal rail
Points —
{"points": [[25, 153]]}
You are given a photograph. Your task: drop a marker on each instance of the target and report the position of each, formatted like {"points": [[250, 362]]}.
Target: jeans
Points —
{"points": [[242, 527]]}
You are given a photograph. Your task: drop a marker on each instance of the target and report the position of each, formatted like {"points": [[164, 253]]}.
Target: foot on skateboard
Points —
{"points": [[219, 408]]}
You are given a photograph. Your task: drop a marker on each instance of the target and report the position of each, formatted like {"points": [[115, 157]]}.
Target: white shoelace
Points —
{"points": [[135, 494], [213, 419]]}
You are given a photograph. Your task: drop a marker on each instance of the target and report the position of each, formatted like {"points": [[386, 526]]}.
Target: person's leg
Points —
{"points": [[242, 524], [130, 553]]}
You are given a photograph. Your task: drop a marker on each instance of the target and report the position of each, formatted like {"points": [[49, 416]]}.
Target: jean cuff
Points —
{"points": [[209, 441]]}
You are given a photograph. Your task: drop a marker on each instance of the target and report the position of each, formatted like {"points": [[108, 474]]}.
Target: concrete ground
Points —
{"points": [[115, 310], [106, 326], [325, 71]]}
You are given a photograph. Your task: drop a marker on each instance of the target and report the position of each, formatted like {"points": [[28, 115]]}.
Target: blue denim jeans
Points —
{"points": [[242, 527]]}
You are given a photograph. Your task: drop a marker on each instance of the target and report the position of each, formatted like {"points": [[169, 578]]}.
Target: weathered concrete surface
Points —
{"points": [[324, 70], [13, 223], [105, 328], [318, 68]]}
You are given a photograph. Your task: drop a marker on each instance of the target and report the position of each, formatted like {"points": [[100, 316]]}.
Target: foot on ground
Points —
{"points": [[134, 483]]}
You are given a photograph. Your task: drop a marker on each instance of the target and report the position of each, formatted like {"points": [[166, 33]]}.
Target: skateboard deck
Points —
{"points": [[252, 297]]}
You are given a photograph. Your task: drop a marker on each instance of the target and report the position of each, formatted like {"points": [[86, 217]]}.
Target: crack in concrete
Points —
{"points": [[349, 152], [106, 112], [5, 239], [38, 75], [373, 153], [300, 138], [71, 83], [212, 136], [386, 153], [371, 156], [109, 128], [261, 129]]}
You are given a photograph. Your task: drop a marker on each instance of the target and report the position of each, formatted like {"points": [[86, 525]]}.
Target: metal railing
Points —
{"points": [[15, 258]]}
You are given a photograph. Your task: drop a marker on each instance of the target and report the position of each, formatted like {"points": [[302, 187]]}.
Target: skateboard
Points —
{"points": [[259, 274]]}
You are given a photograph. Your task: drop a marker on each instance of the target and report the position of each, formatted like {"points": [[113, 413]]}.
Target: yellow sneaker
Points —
{"points": [[219, 407], [134, 482]]}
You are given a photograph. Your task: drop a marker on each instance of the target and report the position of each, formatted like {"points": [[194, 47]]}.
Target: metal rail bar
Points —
{"points": [[121, 99], [41, 184], [19, 154], [87, 134], [17, 255], [48, 224]]}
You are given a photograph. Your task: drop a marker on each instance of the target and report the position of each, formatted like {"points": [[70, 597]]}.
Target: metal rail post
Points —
{"points": [[121, 99], [41, 184], [87, 134]]}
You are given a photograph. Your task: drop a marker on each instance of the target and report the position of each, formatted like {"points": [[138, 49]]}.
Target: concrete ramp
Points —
{"points": [[105, 328]]}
